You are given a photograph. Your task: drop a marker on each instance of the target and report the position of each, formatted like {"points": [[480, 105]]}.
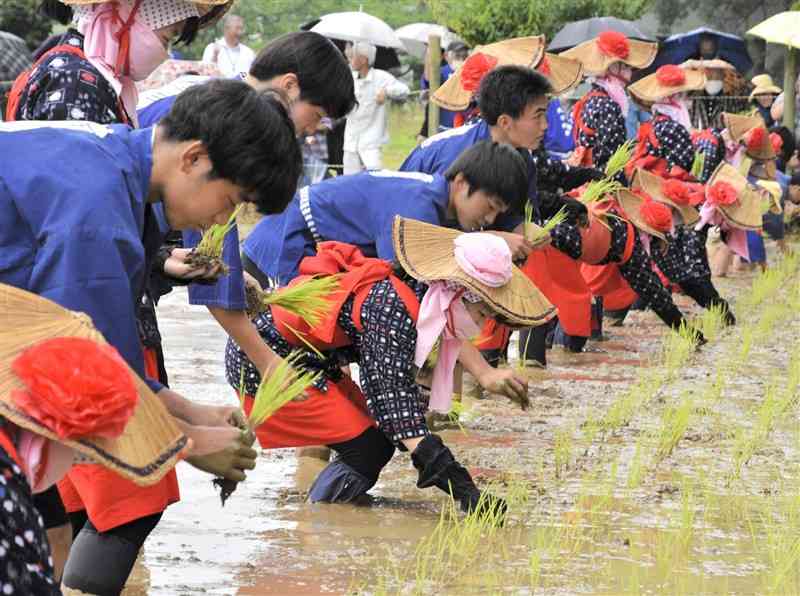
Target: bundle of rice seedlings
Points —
{"points": [[208, 253], [617, 162], [276, 390], [698, 164], [598, 190], [536, 234], [309, 299]]}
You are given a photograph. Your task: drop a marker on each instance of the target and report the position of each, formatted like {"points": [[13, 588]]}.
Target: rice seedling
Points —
{"points": [[711, 322], [620, 158], [562, 450], [208, 253], [637, 470], [309, 299], [674, 422], [536, 234], [276, 390], [678, 347]]}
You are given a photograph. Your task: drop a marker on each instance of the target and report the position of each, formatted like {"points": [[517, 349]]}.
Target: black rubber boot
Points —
{"points": [[437, 467]]}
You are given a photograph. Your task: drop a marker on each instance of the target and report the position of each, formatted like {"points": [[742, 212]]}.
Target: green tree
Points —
{"points": [[733, 16], [487, 21], [22, 18]]}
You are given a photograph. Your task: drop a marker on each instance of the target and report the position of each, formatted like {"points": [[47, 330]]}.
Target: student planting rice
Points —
{"points": [[388, 321]]}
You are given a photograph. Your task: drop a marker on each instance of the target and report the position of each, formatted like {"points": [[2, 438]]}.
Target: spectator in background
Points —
{"points": [[558, 139], [455, 56], [229, 54], [367, 128], [764, 93], [637, 115]]}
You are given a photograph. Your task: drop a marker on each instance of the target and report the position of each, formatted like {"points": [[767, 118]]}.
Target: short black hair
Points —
{"points": [[789, 143], [249, 137], [496, 169], [509, 90], [323, 73]]}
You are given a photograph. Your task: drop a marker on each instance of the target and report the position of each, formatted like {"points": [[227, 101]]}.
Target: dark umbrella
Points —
{"points": [[14, 56], [576, 33], [385, 58], [680, 47]]}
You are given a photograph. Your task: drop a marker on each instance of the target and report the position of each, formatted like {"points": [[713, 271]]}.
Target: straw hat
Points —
{"points": [[666, 81], [715, 64], [151, 443], [563, 73], [520, 51], [631, 204], [764, 85], [425, 251], [208, 9], [745, 212], [598, 54], [654, 186], [742, 130]]}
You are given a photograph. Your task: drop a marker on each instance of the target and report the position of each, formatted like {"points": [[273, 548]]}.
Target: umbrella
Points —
{"points": [[14, 56], [415, 37], [575, 33], [385, 58], [357, 26], [684, 46]]}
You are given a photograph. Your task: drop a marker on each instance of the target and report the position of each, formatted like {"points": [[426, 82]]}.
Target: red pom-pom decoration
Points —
{"points": [[76, 387], [722, 193], [614, 43], [475, 68], [670, 75], [777, 142], [544, 67], [656, 215], [756, 138], [676, 191]]}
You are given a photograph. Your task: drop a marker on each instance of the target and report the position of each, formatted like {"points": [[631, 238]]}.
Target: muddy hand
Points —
{"points": [[175, 266], [239, 420], [507, 382], [231, 461]]}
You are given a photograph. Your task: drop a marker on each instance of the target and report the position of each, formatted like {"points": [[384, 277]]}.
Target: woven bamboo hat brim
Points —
{"points": [[425, 251], [630, 203], [738, 126], [764, 85], [651, 90], [204, 7], [564, 74], [520, 51], [746, 212], [151, 444], [654, 186], [641, 55]]}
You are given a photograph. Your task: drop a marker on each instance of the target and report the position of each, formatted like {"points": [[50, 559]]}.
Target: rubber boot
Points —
{"points": [[437, 467], [339, 483]]}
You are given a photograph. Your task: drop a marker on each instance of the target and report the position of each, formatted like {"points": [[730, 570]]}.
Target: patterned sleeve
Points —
{"points": [[604, 116], [676, 143]]}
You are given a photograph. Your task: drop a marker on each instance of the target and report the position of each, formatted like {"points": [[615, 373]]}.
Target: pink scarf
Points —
{"points": [[44, 462], [615, 87], [485, 258], [675, 109], [736, 238]]}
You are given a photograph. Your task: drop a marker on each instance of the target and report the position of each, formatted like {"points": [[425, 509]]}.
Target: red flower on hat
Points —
{"points": [[475, 68], [544, 67], [755, 138], [76, 387], [656, 215], [670, 75], [614, 43], [676, 191], [722, 193], [777, 141]]}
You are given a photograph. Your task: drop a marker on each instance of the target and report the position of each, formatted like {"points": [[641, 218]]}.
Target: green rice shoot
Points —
{"points": [[617, 162], [698, 164], [536, 234], [211, 243], [308, 299], [597, 190], [279, 388]]}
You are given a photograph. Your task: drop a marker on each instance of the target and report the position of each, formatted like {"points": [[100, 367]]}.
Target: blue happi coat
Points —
{"points": [[75, 226], [358, 209]]}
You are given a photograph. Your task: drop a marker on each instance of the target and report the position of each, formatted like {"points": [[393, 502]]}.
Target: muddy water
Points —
{"points": [[684, 528]]}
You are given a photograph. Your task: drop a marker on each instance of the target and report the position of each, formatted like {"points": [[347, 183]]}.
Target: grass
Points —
{"points": [[404, 123]]}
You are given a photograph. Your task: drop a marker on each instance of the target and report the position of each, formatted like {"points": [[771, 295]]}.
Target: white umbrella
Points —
{"points": [[415, 37], [357, 26]]}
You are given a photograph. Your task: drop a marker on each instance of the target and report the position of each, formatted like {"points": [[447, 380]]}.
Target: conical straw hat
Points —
{"points": [[654, 186], [631, 204], [563, 73], [745, 213], [151, 444], [660, 85], [425, 251], [739, 126], [640, 54], [520, 51]]}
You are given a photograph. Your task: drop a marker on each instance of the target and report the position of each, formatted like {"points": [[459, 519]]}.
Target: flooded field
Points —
{"points": [[641, 467]]}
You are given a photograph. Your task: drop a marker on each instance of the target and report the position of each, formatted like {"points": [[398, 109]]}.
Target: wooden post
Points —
{"points": [[434, 79], [789, 78]]}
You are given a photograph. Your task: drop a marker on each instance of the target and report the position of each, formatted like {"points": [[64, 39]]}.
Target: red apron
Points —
{"points": [[111, 500], [607, 281], [340, 413]]}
